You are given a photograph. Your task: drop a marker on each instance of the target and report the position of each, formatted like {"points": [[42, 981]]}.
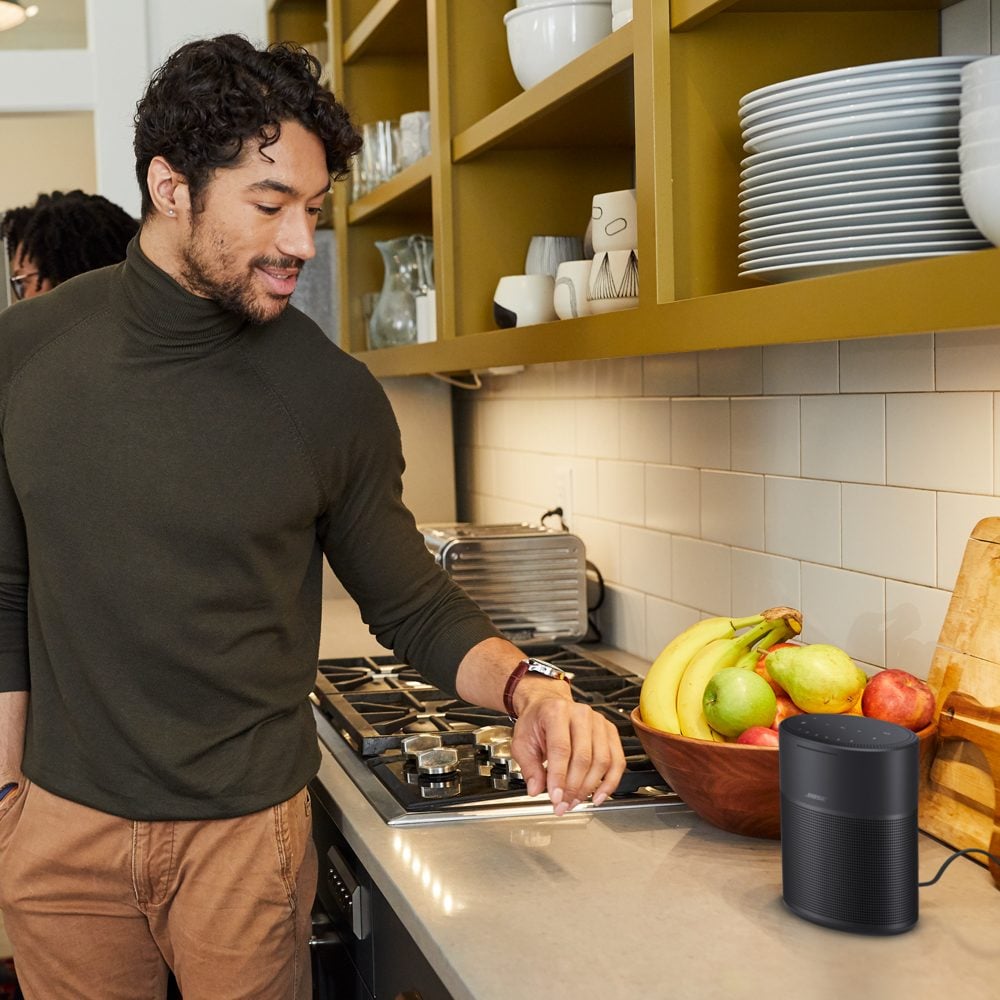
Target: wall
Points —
{"points": [[839, 478], [42, 142], [126, 40]]}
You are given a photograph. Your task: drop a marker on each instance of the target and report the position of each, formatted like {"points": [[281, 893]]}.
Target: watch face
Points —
{"points": [[548, 669]]}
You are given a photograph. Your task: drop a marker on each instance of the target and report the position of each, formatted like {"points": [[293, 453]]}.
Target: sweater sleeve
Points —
{"points": [[372, 543]]}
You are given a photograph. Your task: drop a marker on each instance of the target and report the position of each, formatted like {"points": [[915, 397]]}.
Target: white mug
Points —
{"points": [[523, 299], [614, 221], [570, 297]]}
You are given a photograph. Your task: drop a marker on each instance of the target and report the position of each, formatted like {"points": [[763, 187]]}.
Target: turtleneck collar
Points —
{"points": [[162, 311]]}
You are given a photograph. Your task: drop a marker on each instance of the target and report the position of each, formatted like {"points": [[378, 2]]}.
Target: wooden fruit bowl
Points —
{"points": [[733, 786]]}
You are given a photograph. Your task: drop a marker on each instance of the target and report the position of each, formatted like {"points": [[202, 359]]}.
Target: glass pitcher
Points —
{"points": [[408, 262]]}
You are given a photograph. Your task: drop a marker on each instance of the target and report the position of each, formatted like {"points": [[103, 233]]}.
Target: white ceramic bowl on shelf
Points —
{"points": [[544, 37], [981, 197], [980, 70], [979, 125], [977, 96], [977, 155]]}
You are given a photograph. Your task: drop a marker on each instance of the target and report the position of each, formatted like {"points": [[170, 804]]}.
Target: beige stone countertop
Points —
{"points": [[652, 903]]}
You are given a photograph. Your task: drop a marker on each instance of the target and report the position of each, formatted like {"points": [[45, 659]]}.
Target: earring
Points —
{"points": [[170, 211]]}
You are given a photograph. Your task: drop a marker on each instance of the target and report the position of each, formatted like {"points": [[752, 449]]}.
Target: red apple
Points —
{"points": [[786, 707], [758, 736], [897, 696], [762, 670]]}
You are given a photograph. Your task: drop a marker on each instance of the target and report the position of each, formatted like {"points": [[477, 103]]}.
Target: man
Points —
{"points": [[181, 450], [61, 236]]}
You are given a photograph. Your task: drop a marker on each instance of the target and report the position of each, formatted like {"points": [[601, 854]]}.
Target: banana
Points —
{"points": [[658, 695], [778, 624]]}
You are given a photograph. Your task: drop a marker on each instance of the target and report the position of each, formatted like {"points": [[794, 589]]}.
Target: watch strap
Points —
{"points": [[5, 790], [515, 678], [508, 692]]}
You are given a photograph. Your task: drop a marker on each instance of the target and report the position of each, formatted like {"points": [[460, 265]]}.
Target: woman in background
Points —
{"points": [[63, 235]]}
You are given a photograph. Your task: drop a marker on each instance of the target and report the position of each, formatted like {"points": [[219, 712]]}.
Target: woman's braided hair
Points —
{"points": [[214, 95]]}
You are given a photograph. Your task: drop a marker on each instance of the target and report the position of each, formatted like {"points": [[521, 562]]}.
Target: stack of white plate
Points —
{"points": [[851, 168]]}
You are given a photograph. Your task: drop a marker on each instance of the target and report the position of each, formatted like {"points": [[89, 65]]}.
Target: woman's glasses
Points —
{"points": [[17, 284]]}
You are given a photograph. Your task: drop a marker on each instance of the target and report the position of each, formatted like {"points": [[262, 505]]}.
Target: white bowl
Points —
{"points": [[543, 37], [979, 125], [981, 70], [977, 96], [981, 195], [977, 155]]}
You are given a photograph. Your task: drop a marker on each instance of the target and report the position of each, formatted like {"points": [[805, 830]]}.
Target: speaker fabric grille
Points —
{"points": [[848, 872]]}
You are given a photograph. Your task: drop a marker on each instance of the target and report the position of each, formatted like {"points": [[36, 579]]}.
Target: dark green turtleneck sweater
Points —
{"points": [[171, 481]]}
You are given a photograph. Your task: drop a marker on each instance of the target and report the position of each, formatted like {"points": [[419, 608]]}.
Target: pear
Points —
{"points": [[817, 677]]}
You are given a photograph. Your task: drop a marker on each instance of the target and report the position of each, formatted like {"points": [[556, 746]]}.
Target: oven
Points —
{"points": [[360, 949]]}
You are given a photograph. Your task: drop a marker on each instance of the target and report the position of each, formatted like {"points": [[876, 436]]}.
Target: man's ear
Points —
{"points": [[168, 189]]}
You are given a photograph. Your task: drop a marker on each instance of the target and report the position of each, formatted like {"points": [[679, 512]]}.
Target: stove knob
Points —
{"points": [[488, 733], [414, 745], [498, 751], [440, 761]]}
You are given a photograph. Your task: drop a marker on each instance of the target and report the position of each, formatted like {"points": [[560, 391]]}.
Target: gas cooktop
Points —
{"points": [[439, 757]]}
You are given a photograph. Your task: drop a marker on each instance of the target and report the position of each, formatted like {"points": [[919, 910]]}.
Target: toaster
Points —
{"points": [[530, 580]]}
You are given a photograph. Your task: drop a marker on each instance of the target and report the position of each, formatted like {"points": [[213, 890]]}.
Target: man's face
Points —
{"points": [[24, 276], [255, 231]]}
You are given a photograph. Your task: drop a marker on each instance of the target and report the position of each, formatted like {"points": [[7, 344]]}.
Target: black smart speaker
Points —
{"points": [[849, 791]]}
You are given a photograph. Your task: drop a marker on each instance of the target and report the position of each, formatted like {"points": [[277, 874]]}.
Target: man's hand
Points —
{"points": [[567, 749], [561, 745]]}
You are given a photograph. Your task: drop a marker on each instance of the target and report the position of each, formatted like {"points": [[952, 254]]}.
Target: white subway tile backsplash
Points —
{"points": [[845, 609], [802, 519], [702, 575], [664, 620], [732, 508], [849, 490], [732, 372], [598, 426], [621, 492], [913, 619], [602, 540], [699, 433], [765, 435], [798, 369], [761, 581], [645, 430], [957, 516], [843, 438], [941, 439], [673, 499], [889, 532], [887, 364], [646, 561], [622, 619], [967, 359], [670, 375], [619, 377]]}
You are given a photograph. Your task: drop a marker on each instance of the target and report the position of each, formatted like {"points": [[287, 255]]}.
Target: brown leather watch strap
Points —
{"points": [[508, 692]]}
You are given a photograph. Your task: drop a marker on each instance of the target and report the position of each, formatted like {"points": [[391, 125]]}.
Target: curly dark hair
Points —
{"points": [[15, 220], [214, 95], [67, 234]]}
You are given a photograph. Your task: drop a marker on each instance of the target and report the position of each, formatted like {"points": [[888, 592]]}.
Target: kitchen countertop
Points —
{"points": [[650, 903]]}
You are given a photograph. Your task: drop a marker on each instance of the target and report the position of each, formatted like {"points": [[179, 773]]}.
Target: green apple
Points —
{"points": [[737, 699]]}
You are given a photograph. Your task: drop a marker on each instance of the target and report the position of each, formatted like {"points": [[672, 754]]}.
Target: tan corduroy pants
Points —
{"points": [[97, 907]]}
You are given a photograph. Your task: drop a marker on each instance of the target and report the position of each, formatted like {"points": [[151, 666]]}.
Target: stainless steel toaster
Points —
{"points": [[530, 580]]}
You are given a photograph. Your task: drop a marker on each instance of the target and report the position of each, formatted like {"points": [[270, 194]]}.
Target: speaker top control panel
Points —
{"points": [[849, 732]]}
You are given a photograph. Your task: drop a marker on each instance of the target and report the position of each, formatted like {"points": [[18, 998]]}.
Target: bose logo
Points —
{"points": [[813, 795]]}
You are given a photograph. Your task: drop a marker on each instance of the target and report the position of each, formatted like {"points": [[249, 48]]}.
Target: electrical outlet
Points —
{"points": [[564, 493]]}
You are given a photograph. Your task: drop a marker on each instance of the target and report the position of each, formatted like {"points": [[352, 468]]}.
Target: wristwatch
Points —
{"points": [[5, 790], [533, 666]]}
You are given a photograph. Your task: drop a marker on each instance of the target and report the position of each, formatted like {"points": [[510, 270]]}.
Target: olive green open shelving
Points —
{"points": [[652, 106]]}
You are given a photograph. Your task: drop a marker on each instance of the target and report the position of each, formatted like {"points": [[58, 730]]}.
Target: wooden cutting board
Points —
{"points": [[960, 802]]}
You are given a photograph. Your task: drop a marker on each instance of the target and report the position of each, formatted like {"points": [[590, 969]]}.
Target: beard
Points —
{"points": [[209, 269]]}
